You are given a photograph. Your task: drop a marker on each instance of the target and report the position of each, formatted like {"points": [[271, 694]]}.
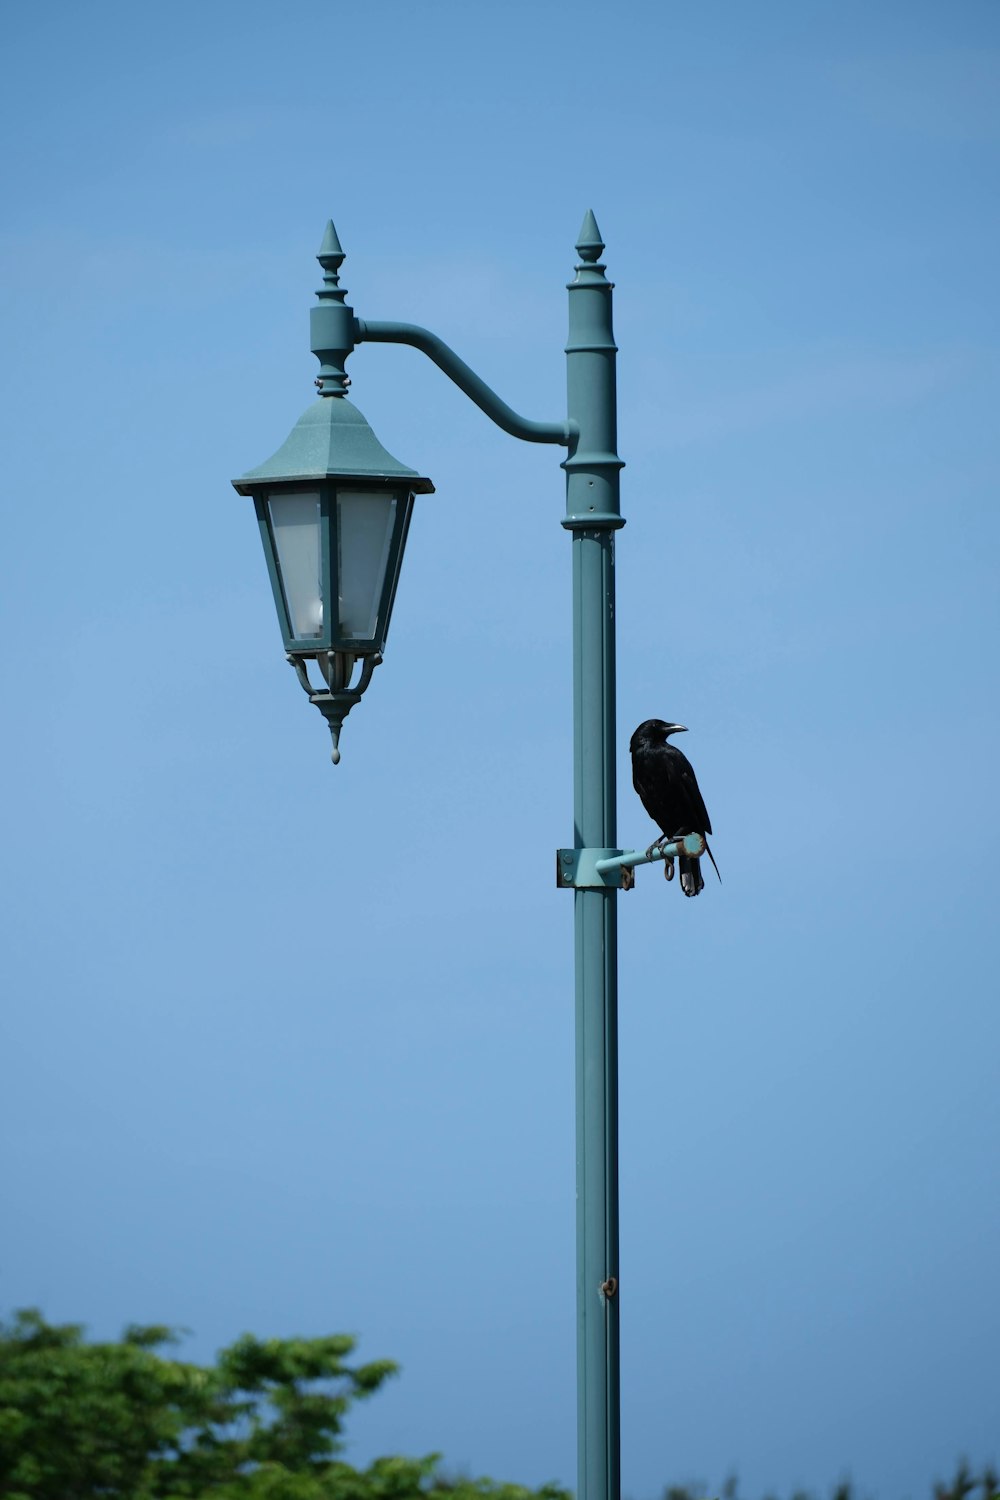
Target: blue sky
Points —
{"points": [[289, 1048]]}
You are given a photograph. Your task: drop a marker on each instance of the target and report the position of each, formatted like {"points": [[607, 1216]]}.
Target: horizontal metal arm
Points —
{"points": [[467, 380], [611, 869], [692, 844]]}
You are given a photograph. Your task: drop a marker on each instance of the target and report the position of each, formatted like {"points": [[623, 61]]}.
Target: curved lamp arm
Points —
{"points": [[564, 433]]}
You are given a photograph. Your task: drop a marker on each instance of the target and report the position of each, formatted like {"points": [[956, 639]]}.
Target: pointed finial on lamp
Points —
{"points": [[332, 322], [331, 257], [334, 707], [331, 248]]}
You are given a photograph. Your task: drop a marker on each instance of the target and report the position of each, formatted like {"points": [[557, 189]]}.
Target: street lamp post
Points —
{"points": [[333, 508]]}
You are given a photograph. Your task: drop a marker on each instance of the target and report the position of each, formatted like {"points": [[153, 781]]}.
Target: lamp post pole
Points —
{"points": [[592, 518], [329, 454]]}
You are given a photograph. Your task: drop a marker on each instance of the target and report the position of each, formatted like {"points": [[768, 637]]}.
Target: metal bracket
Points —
{"points": [[614, 869], [336, 700], [576, 870]]}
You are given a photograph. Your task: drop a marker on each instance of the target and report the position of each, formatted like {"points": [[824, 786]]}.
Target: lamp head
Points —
{"points": [[333, 507]]}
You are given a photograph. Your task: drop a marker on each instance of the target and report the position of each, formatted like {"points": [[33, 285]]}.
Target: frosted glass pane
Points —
{"points": [[295, 524], [365, 527]]}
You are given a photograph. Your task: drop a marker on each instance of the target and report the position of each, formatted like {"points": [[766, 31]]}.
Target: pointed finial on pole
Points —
{"points": [[590, 247], [333, 321], [589, 244]]}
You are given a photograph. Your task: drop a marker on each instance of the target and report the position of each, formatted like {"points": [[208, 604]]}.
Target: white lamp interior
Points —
{"points": [[295, 522], [365, 530]]}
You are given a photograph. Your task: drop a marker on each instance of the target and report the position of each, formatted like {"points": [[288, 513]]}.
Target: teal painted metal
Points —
{"points": [[331, 440], [692, 844], [331, 324], [592, 517], [467, 380], [602, 869], [331, 449], [333, 432], [577, 869]]}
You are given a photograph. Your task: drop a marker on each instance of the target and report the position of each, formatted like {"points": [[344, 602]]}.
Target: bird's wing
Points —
{"points": [[690, 803], [648, 794]]}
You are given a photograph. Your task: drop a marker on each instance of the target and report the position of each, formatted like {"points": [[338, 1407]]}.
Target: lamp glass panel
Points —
{"points": [[295, 524], [365, 526]]}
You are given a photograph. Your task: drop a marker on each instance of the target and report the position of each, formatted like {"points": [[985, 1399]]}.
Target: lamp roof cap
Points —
{"points": [[332, 440]]}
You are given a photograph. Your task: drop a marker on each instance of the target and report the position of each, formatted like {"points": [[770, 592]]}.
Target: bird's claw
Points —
{"points": [[668, 860]]}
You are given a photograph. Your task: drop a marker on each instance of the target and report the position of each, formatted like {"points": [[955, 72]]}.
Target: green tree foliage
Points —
{"points": [[964, 1486], [122, 1421]]}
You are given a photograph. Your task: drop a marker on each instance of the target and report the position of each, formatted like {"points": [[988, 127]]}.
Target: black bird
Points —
{"points": [[668, 790]]}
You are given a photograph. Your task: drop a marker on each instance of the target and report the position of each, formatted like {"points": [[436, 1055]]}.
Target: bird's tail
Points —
{"points": [[691, 876]]}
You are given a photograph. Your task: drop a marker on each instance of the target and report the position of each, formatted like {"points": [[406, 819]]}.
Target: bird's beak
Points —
{"points": [[677, 729]]}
